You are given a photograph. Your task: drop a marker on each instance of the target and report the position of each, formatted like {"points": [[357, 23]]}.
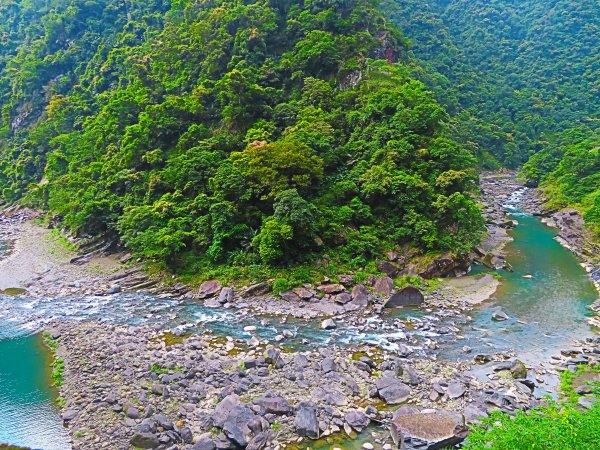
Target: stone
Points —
{"points": [[328, 324], [360, 295], [256, 290], [303, 293], [132, 413], [306, 422], [145, 440], [69, 414], [328, 365], [391, 270], [224, 408], [357, 420], [456, 390], [410, 295], [331, 288], [226, 295], [186, 435], [435, 429], [499, 315], [238, 425], [342, 298], [519, 370], [205, 444], [384, 286], [209, 289], [392, 390], [274, 405]]}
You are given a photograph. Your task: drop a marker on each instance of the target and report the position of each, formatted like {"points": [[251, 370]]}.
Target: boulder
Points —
{"points": [[499, 315], [273, 405], [436, 430], [328, 324], [358, 420], [226, 295], [360, 295], [328, 365], [331, 288], [256, 290], [410, 295], [518, 370], [303, 293], [239, 424], [209, 289], [145, 440], [205, 444], [306, 422], [392, 390], [456, 390], [391, 270], [224, 408], [384, 286]]}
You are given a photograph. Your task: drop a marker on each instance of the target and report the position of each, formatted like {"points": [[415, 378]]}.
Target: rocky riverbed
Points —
{"points": [[205, 387]]}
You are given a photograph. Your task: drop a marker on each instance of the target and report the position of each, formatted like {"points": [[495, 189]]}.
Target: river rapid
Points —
{"points": [[545, 297]]}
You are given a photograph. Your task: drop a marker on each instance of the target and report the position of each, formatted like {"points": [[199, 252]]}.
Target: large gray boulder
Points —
{"points": [[435, 429], [392, 390], [408, 296], [209, 289], [306, 422]]}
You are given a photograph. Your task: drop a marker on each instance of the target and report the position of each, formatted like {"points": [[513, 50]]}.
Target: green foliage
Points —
{"points": [[569, 174], [231, 137], [511, 72], [58, 368], [551, 427]]}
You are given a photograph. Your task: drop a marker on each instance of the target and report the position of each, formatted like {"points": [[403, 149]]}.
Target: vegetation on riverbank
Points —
{"points": [[559, 426], [57, 364]]}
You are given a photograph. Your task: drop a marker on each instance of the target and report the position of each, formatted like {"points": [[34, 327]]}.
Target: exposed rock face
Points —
{"points": [[410, 295]]}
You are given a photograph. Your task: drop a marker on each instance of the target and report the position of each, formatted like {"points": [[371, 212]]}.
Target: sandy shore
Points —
{"points": [[40, 263]]}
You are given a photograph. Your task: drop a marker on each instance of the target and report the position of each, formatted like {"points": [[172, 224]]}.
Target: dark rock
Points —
{"points": [[256, 290], [342, 298], [519, 370], [328, 365], [306, 422], [226, 295], [392, 390], [164, 422], [224, 408], [410, 295], [391, 270], [259, 441], [303, 293], [69, 414], [357, 420], [205, 444], [237, 425], [145, 440], [273, 405], [186, 435], [132, 413]]}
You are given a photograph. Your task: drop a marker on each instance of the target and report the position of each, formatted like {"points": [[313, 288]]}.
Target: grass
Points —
{"points": [[556, 426], [58, 364]]}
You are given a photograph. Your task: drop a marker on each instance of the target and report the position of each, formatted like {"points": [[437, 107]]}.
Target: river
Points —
{"points": [[547, 309]]}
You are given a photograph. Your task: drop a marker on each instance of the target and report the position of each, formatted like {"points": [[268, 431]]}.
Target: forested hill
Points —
{"points": [[250, 133], [525, 69]]}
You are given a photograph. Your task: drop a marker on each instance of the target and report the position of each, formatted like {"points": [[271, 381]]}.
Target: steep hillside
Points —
{"points": [[244, 133], [523, 69]]}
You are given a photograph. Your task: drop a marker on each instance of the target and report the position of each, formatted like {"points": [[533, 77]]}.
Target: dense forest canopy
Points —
{"points": [[272, 132], [514, 72], [258, 132]]}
